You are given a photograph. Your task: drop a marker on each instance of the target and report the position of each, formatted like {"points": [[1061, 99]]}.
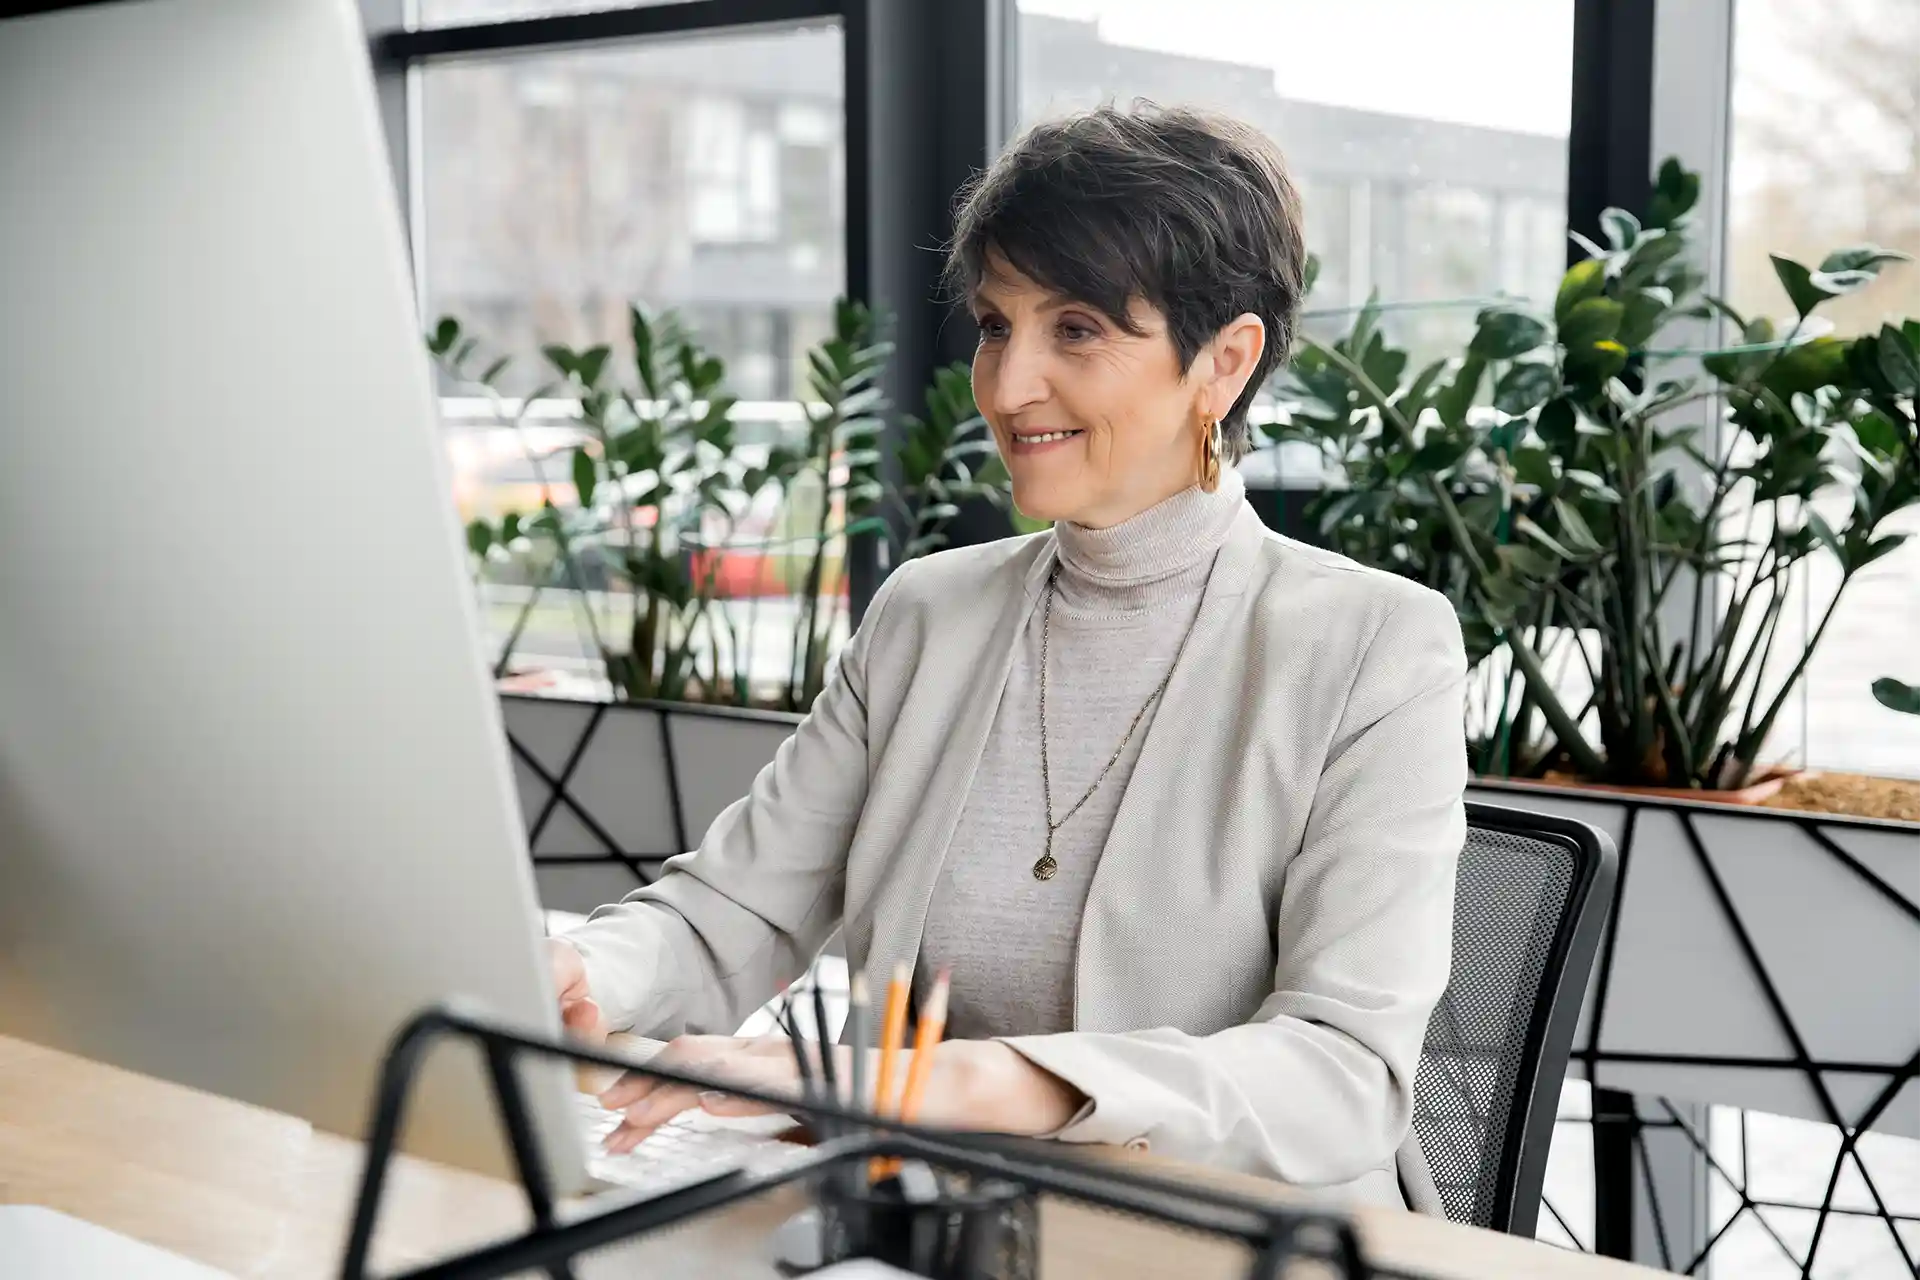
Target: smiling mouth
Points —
{"points": [[1045, 437]]}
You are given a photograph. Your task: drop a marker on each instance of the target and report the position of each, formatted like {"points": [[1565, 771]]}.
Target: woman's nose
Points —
{"points": [[1018, 379]]}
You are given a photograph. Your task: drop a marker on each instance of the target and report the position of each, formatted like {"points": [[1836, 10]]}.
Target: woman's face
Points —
{"points": [[1095, 424]]}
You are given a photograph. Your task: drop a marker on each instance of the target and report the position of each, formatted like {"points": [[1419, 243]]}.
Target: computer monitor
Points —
{"points": [[255, 804]]}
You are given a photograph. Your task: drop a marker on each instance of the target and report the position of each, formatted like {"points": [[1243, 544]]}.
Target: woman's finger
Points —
{"points": [[650, 1113], [628, 1090], [582, 1017], [719, 1103]]}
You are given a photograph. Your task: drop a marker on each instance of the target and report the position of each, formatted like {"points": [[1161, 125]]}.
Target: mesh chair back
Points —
{"points": [[1531, 895]]}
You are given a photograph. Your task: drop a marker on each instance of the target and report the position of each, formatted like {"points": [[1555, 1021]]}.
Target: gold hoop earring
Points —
{"points": [[1212, 446]]}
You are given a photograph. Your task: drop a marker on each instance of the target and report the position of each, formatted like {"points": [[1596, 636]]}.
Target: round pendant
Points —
{"points": [[1044, 869]]}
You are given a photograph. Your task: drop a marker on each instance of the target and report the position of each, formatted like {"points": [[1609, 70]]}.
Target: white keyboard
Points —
{"points": [[692, 1148]]}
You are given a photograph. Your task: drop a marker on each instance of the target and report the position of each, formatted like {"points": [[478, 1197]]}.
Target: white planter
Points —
{"points": [[609, 791], [1756, 957]]}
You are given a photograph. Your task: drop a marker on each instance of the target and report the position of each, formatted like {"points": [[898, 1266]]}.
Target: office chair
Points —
{"points": [[1533, 893]]}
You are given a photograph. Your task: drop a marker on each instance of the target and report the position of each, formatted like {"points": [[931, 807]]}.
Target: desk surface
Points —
{"points": [[263, 1196]]}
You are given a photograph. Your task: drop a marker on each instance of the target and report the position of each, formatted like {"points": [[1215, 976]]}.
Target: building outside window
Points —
{"points": [[1427, 162]]}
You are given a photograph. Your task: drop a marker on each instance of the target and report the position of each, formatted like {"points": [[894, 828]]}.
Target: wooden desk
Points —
{"points": [[263, 1196]]}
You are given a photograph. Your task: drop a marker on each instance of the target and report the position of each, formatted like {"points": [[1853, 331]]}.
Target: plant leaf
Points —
{"points": [[1881, 546], [1802, 292], [1867, 257], [1525, 387], [1645, 310], [1575, 530], [1504, 333], [1453, 403], [1594, 487], [1621, 228], [1591, 249], [1823, 534], [1558, 424], [1675, 192], [1899, 361], [1526, 560], [1896, 695], [1589, 322], [585, 476], [1583, 280], [1533, 465], [1599, 362]]}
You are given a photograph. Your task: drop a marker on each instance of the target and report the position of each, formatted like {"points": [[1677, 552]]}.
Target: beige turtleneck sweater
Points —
{"points": [[1125, 599]]}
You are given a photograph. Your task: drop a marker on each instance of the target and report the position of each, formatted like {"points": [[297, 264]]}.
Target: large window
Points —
{"points": [[1433, 163], [700, 175], [1825, 154]]}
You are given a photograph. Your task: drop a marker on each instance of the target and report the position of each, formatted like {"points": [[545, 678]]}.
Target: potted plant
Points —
{"points": [[1553, 483], [662, 535], [1618, 511]]}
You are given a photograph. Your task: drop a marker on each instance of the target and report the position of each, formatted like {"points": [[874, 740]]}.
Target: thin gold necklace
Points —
{"points": [[1047, 866]]}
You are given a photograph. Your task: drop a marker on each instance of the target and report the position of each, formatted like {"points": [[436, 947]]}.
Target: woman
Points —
{"points": [[1178, 800]]}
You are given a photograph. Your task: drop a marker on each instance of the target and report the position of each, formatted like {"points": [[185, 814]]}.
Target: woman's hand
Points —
{"points": [[1009, 1094], [579, 1012], [974, 1084]]}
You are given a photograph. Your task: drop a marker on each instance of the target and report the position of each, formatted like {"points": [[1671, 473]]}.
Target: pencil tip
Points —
{"points": [[859, 993], [903, 972], [936, 1013]]}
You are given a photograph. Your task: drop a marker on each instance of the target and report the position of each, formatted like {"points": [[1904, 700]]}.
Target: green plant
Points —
{"points": [[946, 457], [1549, 483], [839, 458], [942, 458], [660, 488], [651, 481]]}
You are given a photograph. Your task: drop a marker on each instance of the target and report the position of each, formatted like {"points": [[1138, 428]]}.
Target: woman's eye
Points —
{"points": [[992, 328], [1077, 330]]}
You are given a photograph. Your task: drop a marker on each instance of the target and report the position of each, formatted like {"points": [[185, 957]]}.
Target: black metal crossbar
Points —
{"points": [[1277, 1235]]}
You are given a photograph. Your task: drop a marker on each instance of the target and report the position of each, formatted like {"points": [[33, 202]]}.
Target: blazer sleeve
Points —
{"points": [[1318, 1088], [726, 926]]}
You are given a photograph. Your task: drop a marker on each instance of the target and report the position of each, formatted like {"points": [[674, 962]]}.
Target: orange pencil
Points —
{"points": [[893, 1034], [893, 1031], [932, 1027]]}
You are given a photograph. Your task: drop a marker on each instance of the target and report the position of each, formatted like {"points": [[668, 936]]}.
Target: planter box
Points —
{"points": [[609, 791], [1756, 957]]}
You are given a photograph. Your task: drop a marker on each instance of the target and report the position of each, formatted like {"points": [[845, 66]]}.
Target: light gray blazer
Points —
{"points": [[1270, 923]]}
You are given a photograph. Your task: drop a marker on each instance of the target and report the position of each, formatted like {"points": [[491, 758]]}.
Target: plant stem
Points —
{"points": [[513, 635], [1585, 758], [1747, 747]]}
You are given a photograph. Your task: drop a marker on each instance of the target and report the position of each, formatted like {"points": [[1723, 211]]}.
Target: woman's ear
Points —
{"points": [[1236, 353]]}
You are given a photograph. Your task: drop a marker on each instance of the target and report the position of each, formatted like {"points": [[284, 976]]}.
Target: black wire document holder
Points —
{"points": [[846, 1141]]}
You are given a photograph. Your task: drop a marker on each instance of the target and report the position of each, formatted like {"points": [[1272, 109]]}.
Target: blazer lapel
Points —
{"points": [[982, 659], [1132, 856]]}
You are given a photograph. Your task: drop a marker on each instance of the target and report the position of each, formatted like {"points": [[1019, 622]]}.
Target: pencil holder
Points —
{"points": [[978, 1230]]}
